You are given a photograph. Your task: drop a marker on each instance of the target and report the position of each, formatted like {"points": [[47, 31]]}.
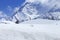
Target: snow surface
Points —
{"points": [[6, 22], [42, 21], [29, 32], [41, 30]]}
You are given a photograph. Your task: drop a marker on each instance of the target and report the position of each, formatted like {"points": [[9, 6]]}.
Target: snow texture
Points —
{"points": [[29, 32]]}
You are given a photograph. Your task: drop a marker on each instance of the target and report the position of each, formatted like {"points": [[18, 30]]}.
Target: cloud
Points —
{"points": [[9, 8], [2, 14], [42, 1], [16, 9]]}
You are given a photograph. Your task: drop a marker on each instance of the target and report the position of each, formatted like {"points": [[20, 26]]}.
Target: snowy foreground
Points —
{"points": [[30, 31]]}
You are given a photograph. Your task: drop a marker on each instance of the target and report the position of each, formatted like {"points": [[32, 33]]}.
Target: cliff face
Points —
{"points": [[36, 9]]}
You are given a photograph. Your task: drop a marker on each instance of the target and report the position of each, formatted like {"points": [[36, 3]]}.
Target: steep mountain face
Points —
{"points": [[26, 12], [36, 9]]}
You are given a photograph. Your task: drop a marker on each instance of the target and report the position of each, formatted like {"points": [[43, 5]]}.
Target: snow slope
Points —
{"points": [[38, 29], [30, 32], [6, 22], [42, 21]]}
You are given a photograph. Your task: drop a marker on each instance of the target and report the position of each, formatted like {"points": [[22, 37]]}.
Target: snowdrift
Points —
{"points": [[29, 32]]}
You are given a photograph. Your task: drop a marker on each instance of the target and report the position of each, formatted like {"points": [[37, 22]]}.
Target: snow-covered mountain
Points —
{"points": [[37, 21], [34, 9], [4, 19], [37, 9], [3, 16]]}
